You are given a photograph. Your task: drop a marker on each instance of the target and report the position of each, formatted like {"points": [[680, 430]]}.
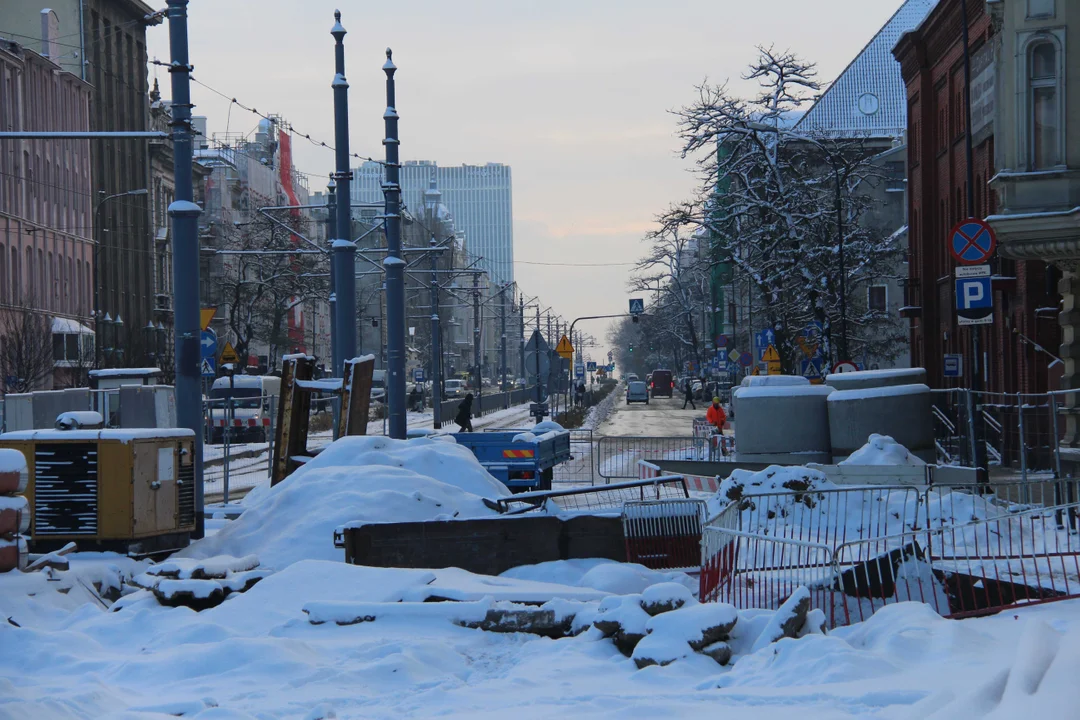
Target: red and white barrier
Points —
{"points": [[239, 422]]}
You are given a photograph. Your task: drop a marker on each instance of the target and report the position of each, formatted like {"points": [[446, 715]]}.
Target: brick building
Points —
{"points": [[46, 247], [931, 59]]}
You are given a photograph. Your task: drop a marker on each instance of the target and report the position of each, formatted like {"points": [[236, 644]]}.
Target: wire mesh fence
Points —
{"points": [[965, 550], [599, 498], [617, 457]]}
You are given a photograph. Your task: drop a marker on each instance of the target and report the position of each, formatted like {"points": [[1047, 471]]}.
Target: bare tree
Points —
{"points": [[26, 353], [776, 207]]}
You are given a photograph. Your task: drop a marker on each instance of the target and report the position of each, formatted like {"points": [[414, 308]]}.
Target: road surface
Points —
{"points": [[662, 417]]}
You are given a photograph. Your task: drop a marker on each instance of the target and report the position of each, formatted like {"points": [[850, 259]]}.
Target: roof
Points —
{"points": [[869, 96]]}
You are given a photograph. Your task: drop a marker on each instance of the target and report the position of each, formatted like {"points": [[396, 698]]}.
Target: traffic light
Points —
{"points": [[631, 348]]}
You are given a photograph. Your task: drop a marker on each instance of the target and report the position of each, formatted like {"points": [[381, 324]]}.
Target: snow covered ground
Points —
{"points": [[318, 639], [257, 656]]}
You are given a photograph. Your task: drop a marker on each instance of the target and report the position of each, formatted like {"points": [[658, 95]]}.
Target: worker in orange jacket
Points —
{"points": [[716, 415]]}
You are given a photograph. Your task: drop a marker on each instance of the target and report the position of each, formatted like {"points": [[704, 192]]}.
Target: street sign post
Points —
{"points": [[208, 367], [637, 306], [208, 343], [418, 375], [972, 242], [205, 316], [564, 348], [845, 366], [954, 365], [974, 296], [762, 341], [812, 369], [721, 341], [590, 366]]}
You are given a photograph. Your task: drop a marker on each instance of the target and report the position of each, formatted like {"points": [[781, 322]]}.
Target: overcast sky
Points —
{"points": [[572, 94]]}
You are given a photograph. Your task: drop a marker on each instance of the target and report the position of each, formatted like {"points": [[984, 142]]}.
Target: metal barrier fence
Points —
{"points": [[965, 550], [603, 497], [663, 534], [617, 457], [1018, 431], [487, 403]]}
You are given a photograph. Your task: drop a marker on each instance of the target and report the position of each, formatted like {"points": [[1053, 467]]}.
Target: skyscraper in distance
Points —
{"points": [[479, 197]]}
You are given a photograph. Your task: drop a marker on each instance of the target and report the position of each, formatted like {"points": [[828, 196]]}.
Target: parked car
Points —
{"points": [[637, 391], [662, 383], [631, 377], [454, 388]]}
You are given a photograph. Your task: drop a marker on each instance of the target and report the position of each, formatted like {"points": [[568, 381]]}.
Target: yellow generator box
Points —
{"points": [[132, 490]]}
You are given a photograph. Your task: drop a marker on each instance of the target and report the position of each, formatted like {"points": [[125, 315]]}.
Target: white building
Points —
{"points": [[478, 196]]}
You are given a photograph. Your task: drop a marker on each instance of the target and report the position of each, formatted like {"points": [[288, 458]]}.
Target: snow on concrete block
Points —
{"points": [[787, 621], [213, 568], [195, 594], [14, 515], [13, 472], [721, 652], [815, 623], [665, 597], [773, 479], [345, 613], [659, 649], [544, 622], [882, 450], [697, 625], [243, 581], [623, 620]]}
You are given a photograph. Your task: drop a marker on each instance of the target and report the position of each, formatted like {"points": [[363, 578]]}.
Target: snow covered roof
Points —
{"points": [[869, 97], [61, 326]]}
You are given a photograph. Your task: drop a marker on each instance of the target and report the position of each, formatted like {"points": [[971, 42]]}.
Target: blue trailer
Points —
{"points": [[519, 459]]}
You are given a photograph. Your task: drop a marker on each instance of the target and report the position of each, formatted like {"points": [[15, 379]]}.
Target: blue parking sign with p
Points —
{"points": [[974, 300]]}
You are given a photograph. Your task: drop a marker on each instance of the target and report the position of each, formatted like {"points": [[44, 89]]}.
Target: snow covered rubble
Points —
{"points": [[614, 639]]}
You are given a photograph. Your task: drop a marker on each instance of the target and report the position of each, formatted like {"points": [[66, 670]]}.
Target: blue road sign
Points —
{"points": [[209, 365], [208, 344], [418, 375], [954, 366], [732, 367], [590, 366], [972, 242], [974, 301], [579, 371], [637, 306], [811, 368], [721, 341], [746, 359]]}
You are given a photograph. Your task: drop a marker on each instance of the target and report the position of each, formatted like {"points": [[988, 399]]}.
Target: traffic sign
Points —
{"points": [[228, 355], [590, 366], [845, 366], [579, 371], [972, 242], [974, 297], [637, 306], [721, 341], [746, 359], [954, 366], [564, 348], [811, 368], [733, 368], [771, 360], [208, 343], [418, 375], [762, 341], [536, 342], [208, 367], [205, 316]]}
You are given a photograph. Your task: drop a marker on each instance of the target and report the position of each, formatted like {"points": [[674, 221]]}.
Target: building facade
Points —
{"points": [[480, 197], [1037, 151], [931, 58], [46, 206]]}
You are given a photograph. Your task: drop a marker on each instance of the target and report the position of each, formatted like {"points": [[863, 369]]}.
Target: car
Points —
{"points": [[637, 391], [662, 384], [631, 377], [378, 386], [454, 388]]}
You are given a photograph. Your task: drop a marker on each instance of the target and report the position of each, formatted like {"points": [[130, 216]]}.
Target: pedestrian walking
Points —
{"points": [[688, 389], [464, 414]]}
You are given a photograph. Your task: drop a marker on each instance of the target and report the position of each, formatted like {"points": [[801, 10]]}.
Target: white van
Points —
{"points": [[250, 408]]}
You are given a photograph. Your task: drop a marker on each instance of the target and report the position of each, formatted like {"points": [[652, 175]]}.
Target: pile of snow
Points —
{"points": [[882, 450], [369, 479], [773, 479], [607, 576]]}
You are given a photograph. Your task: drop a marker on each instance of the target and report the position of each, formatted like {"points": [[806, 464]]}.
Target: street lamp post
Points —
{"points": [[97, 257]]}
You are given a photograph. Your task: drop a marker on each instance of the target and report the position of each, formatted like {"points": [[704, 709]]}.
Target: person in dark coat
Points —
{"points": [[464, 414], [688, 390]]}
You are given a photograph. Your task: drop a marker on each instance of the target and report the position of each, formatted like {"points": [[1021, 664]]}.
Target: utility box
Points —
{"points": [[125, 490], [147, 406]]}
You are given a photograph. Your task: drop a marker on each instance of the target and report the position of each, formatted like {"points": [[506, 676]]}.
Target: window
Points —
{"points": [[1045, 116], [877, 298], [1040, 8]]}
